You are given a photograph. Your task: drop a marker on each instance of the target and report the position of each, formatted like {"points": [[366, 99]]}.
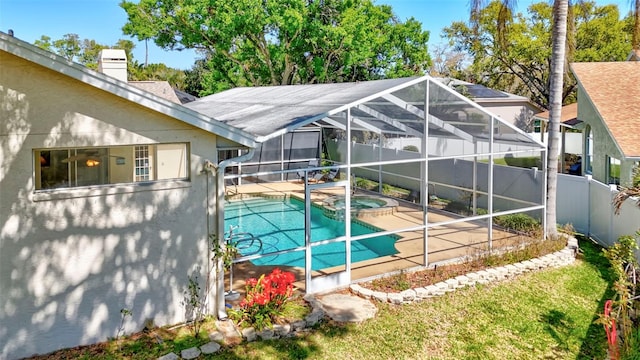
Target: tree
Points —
{"points": [[87, 51], [447, 62], [636, 24], [141, 30], [559, 43], [519, 59], [631, 191], [274, 42], [67, 47]]}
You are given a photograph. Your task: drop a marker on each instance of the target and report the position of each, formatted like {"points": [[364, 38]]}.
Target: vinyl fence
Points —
{"points": [[588, 205], [584, 203]]}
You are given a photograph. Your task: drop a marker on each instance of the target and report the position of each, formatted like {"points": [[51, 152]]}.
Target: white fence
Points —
{"points": [[584, 203], [588, 205]]}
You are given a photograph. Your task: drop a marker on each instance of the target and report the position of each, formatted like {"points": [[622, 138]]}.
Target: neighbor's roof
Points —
{"points": [[268, 111], [569, 115], [159, 88], [480, 93], [56, 63], [614, 90]]}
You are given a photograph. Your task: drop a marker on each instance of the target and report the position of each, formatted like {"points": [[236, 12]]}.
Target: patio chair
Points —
{"points": [[312, 164], [317, 176], [333, 173]]}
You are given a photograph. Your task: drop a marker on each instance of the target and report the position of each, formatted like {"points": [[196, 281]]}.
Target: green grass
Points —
{"points": [[543, 315], [547, 314], [523, 162]]}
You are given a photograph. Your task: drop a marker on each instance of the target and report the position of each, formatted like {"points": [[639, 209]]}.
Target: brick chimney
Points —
{"points": [[113, 62]]}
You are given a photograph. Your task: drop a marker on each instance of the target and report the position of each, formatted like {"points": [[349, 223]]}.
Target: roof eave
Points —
{"points": [[121, 89]]}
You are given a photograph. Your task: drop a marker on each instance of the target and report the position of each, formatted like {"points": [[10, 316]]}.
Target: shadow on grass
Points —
{"points": [[594, 345], [301, 346], [559, 326]]}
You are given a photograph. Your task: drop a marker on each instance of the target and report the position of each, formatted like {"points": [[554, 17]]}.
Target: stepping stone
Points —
{"points": [[169, 356], [229, 331], [347, 308], [210, 348], [190, 353]]}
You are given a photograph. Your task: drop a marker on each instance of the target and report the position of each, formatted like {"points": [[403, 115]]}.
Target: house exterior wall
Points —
{"points": [[603, 143], [517, 113], [71, 259]]}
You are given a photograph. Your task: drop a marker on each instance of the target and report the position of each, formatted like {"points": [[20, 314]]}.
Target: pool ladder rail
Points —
{"points": [[241, 241]]}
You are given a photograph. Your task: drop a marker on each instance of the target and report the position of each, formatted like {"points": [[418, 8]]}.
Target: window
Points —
{"points": [[143, 167], [613, 170], [588, 150], [538, 126], [69, 168]]}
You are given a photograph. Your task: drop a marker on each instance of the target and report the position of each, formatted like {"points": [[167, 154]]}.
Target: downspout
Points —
{"points": [[220, 191]]}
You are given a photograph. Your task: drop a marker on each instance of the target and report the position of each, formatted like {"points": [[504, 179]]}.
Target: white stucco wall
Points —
{"points": [[71, 260]]}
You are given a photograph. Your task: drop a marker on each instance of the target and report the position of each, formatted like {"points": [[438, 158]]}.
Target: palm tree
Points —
{"points": [[556, 77], [628, 192], [636, 25]]}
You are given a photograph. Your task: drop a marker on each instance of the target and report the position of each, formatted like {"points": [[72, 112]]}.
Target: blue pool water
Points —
{"points": [[280, 225]]}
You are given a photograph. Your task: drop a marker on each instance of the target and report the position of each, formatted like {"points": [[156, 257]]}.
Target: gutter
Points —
{"points": [[220, 191]]}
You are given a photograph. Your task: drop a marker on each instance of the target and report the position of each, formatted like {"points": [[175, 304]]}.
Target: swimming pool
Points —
{"points": [[279, 223]]}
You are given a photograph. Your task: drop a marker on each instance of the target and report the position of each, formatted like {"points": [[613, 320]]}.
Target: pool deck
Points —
{"points": [[445, 242]]}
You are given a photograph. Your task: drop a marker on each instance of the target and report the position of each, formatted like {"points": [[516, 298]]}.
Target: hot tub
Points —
{"points": [[361, 206]]}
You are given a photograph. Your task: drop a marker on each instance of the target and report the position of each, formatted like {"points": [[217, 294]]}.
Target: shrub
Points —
{"points": [[365, 183], [265, 299], [620, 312], [518, 222], [457, 207], [411, 148]]}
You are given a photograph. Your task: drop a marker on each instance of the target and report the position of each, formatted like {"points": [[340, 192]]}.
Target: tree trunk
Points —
{"points": [[556, 76], [636, 25]]}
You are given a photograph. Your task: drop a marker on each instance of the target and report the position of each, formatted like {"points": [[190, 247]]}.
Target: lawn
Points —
{"points": [[544, 315], [547, 314]]}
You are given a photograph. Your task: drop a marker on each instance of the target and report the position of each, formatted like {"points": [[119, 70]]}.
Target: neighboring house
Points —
{"points": [[105, 202], [514, 109], [609, 106], [570, 137], [113, 62]]}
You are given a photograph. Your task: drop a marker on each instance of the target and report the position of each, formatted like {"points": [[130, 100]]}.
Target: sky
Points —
{"points": [[102, 21]]}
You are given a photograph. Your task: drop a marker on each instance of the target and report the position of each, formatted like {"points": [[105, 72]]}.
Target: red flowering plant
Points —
{"points": [[265, 299]]}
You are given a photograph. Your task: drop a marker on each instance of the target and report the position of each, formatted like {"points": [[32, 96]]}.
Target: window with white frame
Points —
{"points": [[143, 169], [81, 167]]}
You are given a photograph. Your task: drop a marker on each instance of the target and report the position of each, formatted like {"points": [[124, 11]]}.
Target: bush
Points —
{"points": [[411, 148], [265, 299], [518, 222], [457, 207], [620, 313], [365, 183], [523, 162]]}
